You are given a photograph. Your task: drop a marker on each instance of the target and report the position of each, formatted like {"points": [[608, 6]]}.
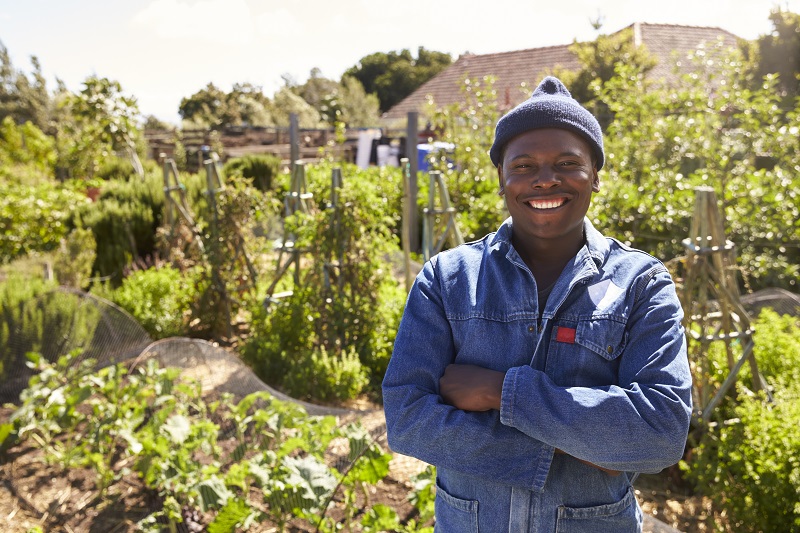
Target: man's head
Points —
{"points": [[550, 106]]}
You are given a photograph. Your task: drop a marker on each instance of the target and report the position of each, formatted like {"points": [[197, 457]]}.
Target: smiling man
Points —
{"points": [[541, 368]]}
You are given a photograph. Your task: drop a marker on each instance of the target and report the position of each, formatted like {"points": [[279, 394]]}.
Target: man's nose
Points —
{"points": [[546, 178]]}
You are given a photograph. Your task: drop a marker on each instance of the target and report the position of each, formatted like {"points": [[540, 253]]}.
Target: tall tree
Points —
{"points": [[344, 102], [24, 98], [779, 53], [393, 76]]}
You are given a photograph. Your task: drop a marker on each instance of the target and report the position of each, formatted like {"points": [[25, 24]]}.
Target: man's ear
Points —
{"points": [[501, 181], [595, 180]]}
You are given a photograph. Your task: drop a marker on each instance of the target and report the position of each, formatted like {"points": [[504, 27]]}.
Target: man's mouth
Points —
{"points": [[547, 204]]}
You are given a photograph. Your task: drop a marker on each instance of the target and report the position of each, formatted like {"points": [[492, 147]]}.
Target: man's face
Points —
{"points": [[548, 177]]}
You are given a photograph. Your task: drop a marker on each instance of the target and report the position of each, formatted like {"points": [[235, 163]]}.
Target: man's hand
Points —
{"points": [[471, 388]]}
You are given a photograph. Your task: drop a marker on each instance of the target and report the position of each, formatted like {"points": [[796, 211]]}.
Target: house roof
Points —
{"points": [[512, 69]]}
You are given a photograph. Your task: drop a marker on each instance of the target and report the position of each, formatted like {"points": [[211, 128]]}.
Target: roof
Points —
{"points": [[512, 69]]}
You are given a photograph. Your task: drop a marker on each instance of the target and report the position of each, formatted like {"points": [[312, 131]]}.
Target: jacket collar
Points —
{"points": [[596, 244]]}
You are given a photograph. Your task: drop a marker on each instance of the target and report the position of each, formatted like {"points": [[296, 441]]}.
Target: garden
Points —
{"points": [[297, 273]]}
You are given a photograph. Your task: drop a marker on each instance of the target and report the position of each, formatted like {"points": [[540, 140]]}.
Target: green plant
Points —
{"points": [[259, 170], [347, 300], [160, 298], [748, 463], [36, 317], [34, 218], [75, 258]]}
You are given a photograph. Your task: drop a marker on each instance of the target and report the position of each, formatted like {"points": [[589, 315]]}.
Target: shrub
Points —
{"points": [[36, 317], [34, 218], [124, 220], [749, 465], [259, 170], [160, 298]]}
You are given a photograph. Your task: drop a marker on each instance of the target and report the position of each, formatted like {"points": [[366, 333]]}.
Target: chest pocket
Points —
{"points": [[586, 352]]}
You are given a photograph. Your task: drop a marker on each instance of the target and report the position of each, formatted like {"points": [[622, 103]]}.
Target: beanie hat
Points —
{"points": [[550, 106]]}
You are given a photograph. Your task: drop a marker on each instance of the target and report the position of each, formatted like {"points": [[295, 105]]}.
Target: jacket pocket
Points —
{"points": [[623, 516], [454, 515], [586, 352]]}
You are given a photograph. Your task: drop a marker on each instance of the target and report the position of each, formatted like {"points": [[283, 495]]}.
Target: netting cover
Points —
{"points": [[60, 321]]}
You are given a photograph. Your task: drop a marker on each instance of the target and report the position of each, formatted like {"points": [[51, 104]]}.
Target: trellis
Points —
{"points": [[712, 306]]}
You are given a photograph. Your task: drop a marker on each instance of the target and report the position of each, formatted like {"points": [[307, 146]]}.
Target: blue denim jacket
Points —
{"points": [[602, 375]]}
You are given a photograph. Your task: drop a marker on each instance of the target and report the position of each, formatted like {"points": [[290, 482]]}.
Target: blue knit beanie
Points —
{"points": [[550, 106]]}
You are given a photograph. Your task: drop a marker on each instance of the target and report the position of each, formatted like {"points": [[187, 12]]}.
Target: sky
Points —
{"points": [[164, 50]]}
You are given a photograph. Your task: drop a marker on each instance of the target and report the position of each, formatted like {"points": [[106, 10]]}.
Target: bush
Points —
{"points": [[259, 170], [124, 220], [34, 218], [160, 298], [36, 317], [749, 465]]}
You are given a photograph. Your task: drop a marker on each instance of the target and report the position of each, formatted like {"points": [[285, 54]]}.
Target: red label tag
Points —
{"points": [[565, 335]]}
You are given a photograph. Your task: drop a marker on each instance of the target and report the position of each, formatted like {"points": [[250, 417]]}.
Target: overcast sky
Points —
{"points": [[165, 50]]}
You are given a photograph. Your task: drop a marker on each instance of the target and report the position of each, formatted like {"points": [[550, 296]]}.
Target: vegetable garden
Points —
{"points": [[149, 448]]}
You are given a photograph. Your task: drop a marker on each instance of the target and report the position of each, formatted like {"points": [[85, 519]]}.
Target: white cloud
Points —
{"points": [[218, 21]]}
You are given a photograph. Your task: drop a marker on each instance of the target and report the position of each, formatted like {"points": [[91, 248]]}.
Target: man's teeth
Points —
{"points": [[546, 204]]}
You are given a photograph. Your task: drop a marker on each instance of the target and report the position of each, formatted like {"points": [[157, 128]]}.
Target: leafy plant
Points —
{"points": [[748, 462], [160, 298]]}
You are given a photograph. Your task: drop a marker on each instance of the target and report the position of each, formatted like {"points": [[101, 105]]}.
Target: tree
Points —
{"points": [[344, 102], [599, 60], [779, 53], [211, 107], [102, 121], [393, 76], [24, 99]]}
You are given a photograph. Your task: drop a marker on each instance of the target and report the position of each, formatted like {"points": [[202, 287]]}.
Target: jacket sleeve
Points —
{"points": [[639, 424], [421, 425]]}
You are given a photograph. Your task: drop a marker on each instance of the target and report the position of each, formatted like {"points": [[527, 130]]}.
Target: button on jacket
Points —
{"points": [[600, 375]]}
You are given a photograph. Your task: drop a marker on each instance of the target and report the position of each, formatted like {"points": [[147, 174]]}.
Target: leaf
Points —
{"points": [[235, 513], [380, 518], [5, 431], [178, 428]]}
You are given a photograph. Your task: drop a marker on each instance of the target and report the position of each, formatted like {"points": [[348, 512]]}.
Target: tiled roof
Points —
{"points": [[511, 69]]}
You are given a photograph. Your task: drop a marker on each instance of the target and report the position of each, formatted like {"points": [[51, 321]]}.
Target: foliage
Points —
{"points": [[272, 466], [25, 99], [35, 316], [260, 170], [34, 218], [285, 102], [75, 258], [160, 299], [469, 174], [123, 220], [347, 299], [777, 54], [340, 102], [393, 76], [27, 155], [103, 121], [748, 464], [665, 141], [211, 107]]}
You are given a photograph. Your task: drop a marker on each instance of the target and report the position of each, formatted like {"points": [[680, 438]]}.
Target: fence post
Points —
{"points": [[412, 134]]}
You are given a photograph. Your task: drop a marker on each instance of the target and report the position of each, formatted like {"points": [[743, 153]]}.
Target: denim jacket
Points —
{"points": [[602, 375]]}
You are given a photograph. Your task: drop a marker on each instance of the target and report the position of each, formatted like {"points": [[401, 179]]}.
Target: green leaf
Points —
{"points": [[5, 431], [236, 513], [380, 518]]}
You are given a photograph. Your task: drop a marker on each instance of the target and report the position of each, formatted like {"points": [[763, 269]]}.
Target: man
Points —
{"points": [[542, 367]]}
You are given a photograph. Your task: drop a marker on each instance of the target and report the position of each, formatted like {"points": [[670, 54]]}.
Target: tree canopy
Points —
{"points": [[394, 75]]}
